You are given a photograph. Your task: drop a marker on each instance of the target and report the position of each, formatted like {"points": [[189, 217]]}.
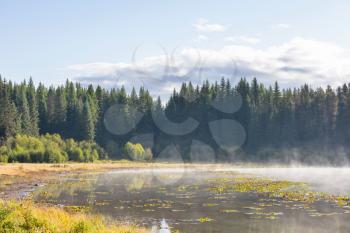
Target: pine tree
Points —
{"points": [[9, 118], [50, 110], [60, 113], [342, 121], [33, 108], [330, 114], [87, 123], [23, 109], [41, 96]]}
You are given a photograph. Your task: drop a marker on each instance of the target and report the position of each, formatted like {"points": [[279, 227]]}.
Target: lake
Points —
{"points": [[189, 201]]}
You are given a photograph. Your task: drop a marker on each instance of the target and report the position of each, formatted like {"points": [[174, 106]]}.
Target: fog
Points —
{"points": [[325, 179], [333, 180]]}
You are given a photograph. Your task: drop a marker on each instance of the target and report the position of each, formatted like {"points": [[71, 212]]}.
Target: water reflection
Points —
{"points": [[189, 206]]}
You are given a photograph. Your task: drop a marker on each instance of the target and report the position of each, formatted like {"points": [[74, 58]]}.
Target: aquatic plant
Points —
{"points": [[281, 189], [205, 219]]}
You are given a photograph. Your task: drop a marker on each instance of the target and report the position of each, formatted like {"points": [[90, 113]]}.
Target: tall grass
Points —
{"points": [[25, 217]]}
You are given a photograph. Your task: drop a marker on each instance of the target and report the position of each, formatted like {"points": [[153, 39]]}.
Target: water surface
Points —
{"points": [[184, 199]]}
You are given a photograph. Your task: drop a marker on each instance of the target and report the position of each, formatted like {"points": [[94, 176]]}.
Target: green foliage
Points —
{"points": [[54, 154], [81, 227], [3, 154], [87, 122], [48, 149], [137, 152]]}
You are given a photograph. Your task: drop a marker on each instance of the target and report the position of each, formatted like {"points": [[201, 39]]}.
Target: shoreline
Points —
{"points": [[18, 180]]}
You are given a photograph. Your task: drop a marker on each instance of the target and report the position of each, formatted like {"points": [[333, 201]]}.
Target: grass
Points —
{"points": [[33, 169], [23, 217]]}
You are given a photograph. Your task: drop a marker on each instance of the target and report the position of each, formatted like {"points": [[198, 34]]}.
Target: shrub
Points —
{"points": [[76, 154], [54, 154], [4, 154], [4, 158], [137, 152], [81, 227], [50, 149]]}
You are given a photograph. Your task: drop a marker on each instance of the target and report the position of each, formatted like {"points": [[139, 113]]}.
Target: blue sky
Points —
{"points": [[127, 43]]}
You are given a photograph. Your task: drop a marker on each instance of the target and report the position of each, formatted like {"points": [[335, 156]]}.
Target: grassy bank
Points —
{"points": [[37, 170], [26, 217]]}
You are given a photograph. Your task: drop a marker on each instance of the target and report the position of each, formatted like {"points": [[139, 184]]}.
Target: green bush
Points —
{"points": [[4, 154], [49, 149], [76, 154], [137, 152], [81, 227], [54, 153]]}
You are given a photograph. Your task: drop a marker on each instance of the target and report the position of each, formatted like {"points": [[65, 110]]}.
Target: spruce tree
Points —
{"points": [[41, 96], [33, 108], [23, 109], [87, 123]]}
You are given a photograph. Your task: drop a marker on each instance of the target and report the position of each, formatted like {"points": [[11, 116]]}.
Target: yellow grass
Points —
{"points": [[26, 217], [39, 169]]}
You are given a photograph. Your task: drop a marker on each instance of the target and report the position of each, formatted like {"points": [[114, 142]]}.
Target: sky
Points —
{"points": [[160, 44]]}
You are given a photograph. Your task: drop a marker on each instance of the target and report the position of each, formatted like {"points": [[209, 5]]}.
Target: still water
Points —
{"points": [[184, 199]]}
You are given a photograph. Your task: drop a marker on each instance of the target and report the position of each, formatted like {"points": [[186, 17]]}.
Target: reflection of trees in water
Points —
{"points": [[70, 186], [138, 182]]}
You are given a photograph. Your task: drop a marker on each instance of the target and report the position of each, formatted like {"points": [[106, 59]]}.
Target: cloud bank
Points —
{"points": [[292, 64]]}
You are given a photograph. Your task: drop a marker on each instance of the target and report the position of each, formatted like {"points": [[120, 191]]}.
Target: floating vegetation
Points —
{"points": [[286, 190], [178, 210], [210, 204], [205, 219], [229, 211], [182, 188], [324, 214], [102, 203], [77, 209], [258, 214], [148, 210]]}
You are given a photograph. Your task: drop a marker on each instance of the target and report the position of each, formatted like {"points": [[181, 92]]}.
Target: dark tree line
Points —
{"points": [[307, 120]]}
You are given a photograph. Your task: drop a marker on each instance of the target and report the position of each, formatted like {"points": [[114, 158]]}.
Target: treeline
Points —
{"points": [[275, 119], [304, 124]]}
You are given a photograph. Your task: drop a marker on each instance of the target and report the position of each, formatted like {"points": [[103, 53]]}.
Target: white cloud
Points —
{"points": [[293, 63], [200, 38], [203, 25], [243, 39], [280, 26]]}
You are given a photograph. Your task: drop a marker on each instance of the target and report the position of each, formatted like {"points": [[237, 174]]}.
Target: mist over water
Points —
{"points": [[333, 180], [181, 195]]}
